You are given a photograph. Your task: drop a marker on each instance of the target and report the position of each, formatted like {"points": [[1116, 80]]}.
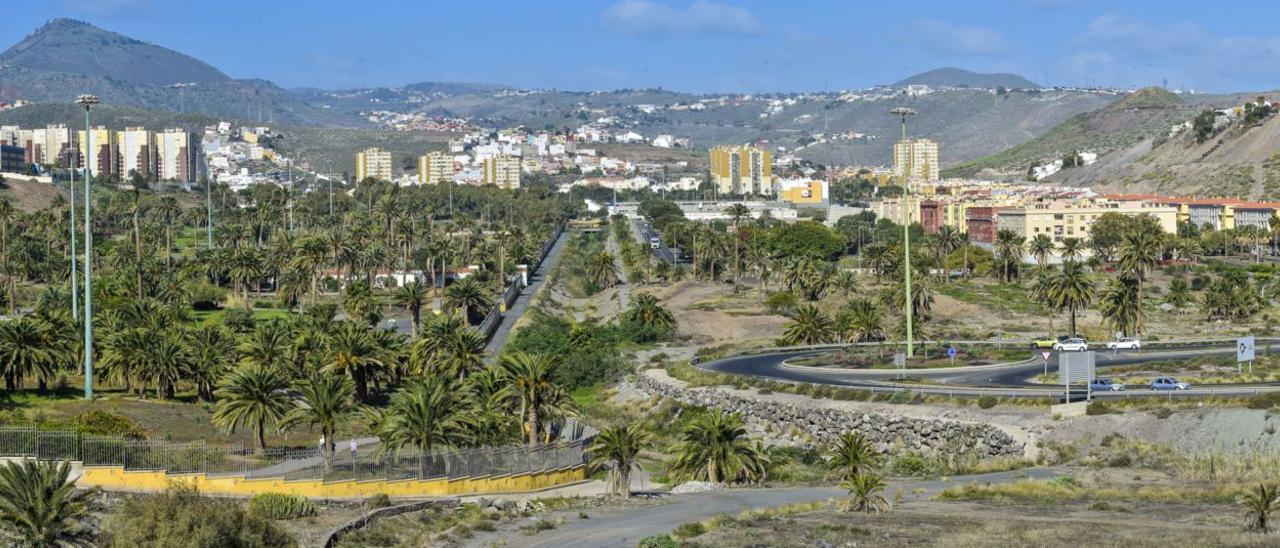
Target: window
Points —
{"points": [[1057, 216]]}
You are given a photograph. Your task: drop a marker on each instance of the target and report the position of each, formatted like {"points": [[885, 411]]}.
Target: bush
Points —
{"points": [[238, 319], [1099, 407], [100, 422], [658, 541], [690, 530], [281, 506], [987, 402], [1162, 412], [380, 500], [205, 296], [914, 464], [1265, 400], [181, 517], [781, 302]]}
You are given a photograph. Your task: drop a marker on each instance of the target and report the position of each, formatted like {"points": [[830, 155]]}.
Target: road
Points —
{"points": [[643, 231], [518, 308], [625, 527], [1012, 379]]}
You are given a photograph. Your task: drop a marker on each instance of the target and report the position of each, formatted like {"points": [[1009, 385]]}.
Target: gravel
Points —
{"points": [[696, 487]]}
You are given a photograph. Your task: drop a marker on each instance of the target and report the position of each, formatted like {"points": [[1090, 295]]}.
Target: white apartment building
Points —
{"points": [[917, 159], [503, 171], [435, 168], [176, 156], [137, 152]]}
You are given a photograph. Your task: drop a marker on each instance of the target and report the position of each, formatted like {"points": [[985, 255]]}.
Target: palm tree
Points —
{"points": [[168, 209], [310, 258], [866, 493], [1009, 245], [467, 295], [1071, 290], [531, 387], [27, 347], [212, 351], [866, 323], [1179, 292], [713, 447], [645, 310], [1072, 249], [618, 447], [1120, 307], [352, 353], [423, 416], [602, 270], [252, 396], [1139, 253], [809, 326], [1259, 503], [736, 213], [851, 455], [327, 402], [1041, 247], [41, 507], [846, 282], [8, 214], [448, 348], [412, 296], [949, 240]]}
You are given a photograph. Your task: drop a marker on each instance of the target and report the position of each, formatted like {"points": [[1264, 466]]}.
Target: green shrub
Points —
{"points": [[380, 500], [987, 402], [658, 541], [781, 302], [1265, 400], [1162, 412], [914, 464], [1099, 407], [690, 530], [281, 506], [238, 319], [181, 517]]}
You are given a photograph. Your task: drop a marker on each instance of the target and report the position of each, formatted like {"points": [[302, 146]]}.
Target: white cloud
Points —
{"points": [[650, 19], [944, 39]]}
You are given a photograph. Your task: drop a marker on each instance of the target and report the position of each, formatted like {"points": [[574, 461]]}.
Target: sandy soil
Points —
{"points": [[710, 314], [29, 196]]}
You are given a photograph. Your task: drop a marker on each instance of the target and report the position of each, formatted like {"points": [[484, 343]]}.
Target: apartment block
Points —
{"points": [[12, 158], [373, 162], [802, 191], [1060, 220], [137, 149], [101, 155], [435, 168], [742, 170], [50, 145], [176, 152], [916, 159], [503, 171]]}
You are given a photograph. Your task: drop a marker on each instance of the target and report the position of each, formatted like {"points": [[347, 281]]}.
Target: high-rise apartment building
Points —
{"points": [[101, 157], [176, 155], [742, 170], [137, 149], [503, 171], [373, 162], [917, 159], [46, 146], [435, 168]]}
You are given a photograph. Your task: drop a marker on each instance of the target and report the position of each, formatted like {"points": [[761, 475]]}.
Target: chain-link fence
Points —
{"points": [[363, 460]]}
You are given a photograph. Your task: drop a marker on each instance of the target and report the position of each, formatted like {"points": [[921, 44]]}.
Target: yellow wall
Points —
{"points": [[796, 195], [115, 478]]}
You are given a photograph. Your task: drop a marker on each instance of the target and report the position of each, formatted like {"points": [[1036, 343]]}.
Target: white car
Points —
{"points": [[1125, 343], [1071, 345]]}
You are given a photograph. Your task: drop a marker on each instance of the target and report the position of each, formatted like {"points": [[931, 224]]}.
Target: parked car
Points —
{"points": [[1125, 343], [1104, 384], [1168, 383], [1043, 342], [1071, 345]]}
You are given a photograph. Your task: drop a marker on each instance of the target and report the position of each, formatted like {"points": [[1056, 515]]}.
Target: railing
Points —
{"points": [[370, 460]]}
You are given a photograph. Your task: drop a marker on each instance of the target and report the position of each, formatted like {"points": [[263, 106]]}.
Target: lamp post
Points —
{"points": [[88, 101], [75, 286], [903, 112], [208, 204]]}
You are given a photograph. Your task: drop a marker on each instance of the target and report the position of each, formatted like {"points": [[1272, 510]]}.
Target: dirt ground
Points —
{"points": [[29, 196], [711, 315], [313, 531]]}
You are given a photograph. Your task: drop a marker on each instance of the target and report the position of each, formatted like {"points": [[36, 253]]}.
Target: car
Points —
{"points": [[1168, 383], [1071, 345], [1043, 342], [1104, 384], [1125, 343]]}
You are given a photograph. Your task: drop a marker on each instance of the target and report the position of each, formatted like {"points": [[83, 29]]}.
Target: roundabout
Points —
{"points": [[1012, 379]]}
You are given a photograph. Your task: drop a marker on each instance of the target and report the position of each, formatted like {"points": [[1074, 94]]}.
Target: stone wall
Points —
{"points": [[823, 423]]}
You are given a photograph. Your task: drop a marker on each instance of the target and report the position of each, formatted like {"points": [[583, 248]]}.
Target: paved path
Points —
{"points": [[519, 307], [625, 527]]}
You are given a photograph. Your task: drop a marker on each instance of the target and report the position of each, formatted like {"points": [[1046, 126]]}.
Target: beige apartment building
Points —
{"points": [[137, 149], [742, 170], [176, 156], [503, 171], [1060, 220], [916, 159], [435, 168], [45, 146], [101, 157], [373, 162]]}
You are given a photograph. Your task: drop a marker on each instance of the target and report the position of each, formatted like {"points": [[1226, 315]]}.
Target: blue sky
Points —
{"points": [[697, 45]]}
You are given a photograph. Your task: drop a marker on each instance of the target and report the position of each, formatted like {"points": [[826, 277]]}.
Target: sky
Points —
{"points": [[700, 46]]}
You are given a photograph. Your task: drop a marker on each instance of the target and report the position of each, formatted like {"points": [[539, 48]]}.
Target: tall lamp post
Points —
{"points": [[88, 101], [75, 286], [903, 112]]}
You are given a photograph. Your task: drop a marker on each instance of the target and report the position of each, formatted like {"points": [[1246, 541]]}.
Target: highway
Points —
{"points": [[1006, 380]]}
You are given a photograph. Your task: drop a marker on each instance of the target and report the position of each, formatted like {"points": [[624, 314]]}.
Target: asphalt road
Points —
{"points": [[521, 304], [625, 527], [642, 231], [1012, 379]]}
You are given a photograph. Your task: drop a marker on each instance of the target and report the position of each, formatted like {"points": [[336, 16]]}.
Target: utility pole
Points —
{"points": [[75, 286], [903, 112], [88, 101], [208, 202]]}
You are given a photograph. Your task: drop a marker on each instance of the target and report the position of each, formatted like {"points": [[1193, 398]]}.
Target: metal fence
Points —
{"points": [[370, 460], [493, 318]]}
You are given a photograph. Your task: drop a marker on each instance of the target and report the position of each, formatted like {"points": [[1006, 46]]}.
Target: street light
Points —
{"points": [[75, 286], [88, 101], [904, 112]]}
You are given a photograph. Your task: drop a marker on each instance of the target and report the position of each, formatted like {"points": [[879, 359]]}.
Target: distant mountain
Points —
{"points": [[76, 47], [1137, 116], [954, 77]]}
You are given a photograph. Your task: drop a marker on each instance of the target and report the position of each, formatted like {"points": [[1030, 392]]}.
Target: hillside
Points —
{"points": [[75, 47], [1239, 162], [954, 77], [1139, 115], [108, 115]]}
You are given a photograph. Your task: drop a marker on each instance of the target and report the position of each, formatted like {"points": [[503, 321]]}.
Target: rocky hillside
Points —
{"points": [[1239, 161]]}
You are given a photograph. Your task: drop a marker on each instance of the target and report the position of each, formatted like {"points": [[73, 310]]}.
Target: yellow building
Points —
{"points": [[373, 162], [916, 159], [176, 152], [101, 159], [1060, 220], [435, 168], [503, 171], [137, 149], [742, 170], [802, 191]]}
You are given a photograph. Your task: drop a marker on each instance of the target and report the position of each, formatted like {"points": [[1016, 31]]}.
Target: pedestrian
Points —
{"points": [[354, 446], [322, 443]]}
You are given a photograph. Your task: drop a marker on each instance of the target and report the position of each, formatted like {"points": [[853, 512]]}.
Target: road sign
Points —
{"points": [[951, 352], [1244, 349], [1046, 355], [899, 360], [1076, 367]]}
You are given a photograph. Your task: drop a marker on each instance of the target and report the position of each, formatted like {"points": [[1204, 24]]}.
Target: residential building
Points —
{"points": [[47, 145], [931, 216], [916, 159], [1062, 219], [102, 157], [137, 150], [742, 170], [802, 191], [502, 170], [176, 156], [373, 162], [435, 168], [980, 223], [13, 159]]}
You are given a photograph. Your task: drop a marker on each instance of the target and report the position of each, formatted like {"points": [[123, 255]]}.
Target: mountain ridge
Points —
{"points": [[957, 77]]}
